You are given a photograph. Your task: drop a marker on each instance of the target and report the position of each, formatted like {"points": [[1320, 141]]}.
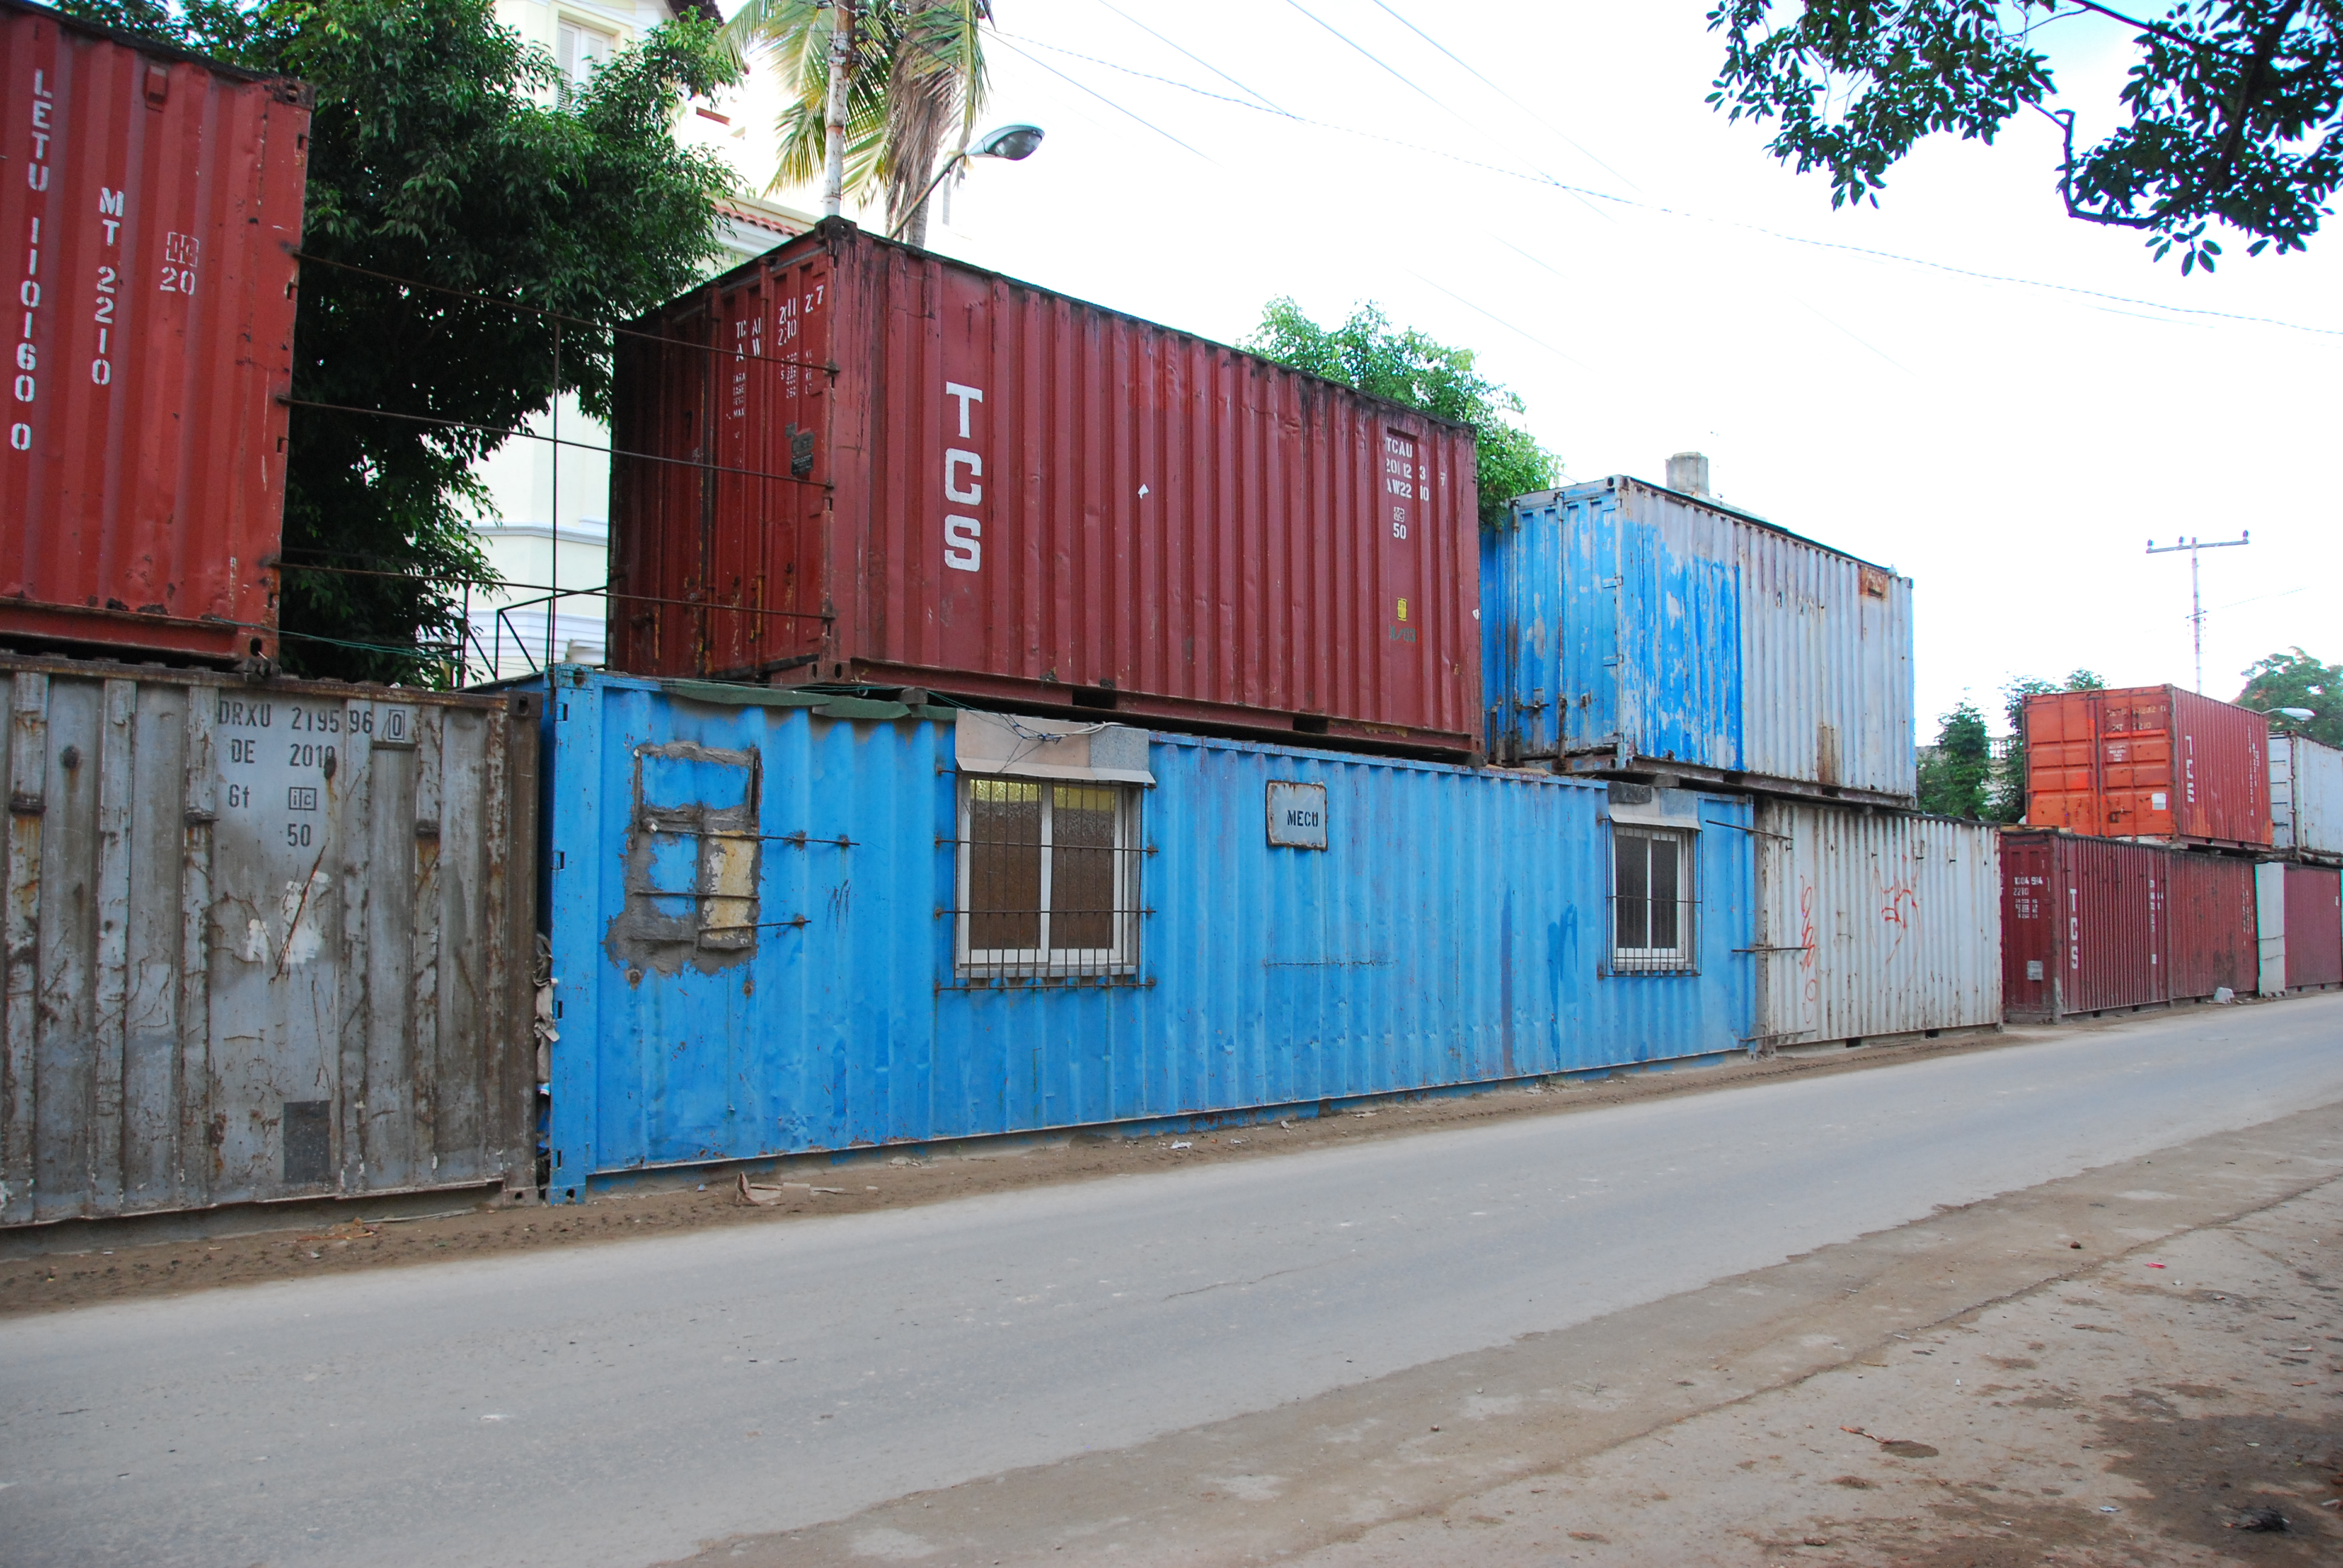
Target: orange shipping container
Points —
{"points": [[2151, 762], [152, 202]]}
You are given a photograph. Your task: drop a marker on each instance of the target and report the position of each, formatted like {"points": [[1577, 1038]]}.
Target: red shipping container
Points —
{"points": [[2314, 926], [2147, 762], [851, 460], [153, 202], [2082, 926], [2210, 941]]}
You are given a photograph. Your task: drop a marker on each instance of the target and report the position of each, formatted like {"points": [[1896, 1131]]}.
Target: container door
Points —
{"points": [[2030, 919], [1591, 679]]}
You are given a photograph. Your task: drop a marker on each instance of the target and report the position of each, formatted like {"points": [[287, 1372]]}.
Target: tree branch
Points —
{"points": [[2065, 120]]}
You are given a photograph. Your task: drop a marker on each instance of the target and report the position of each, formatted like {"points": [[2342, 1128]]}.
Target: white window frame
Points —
{"points": [[1045, 961], [575, 72], [1684, 957]]}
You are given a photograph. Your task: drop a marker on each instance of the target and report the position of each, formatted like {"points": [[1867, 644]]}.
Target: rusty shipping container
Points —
{"points": [[2313, 927], [2151, 762], [264, 941], [153, 203], [1874, 923], [2097, 925], [856, 461]]}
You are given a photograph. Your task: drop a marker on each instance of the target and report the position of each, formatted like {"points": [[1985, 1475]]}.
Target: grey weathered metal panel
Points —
{"points": [[1627, 627], [1874, 923], [264, 941], [2305, 783]]}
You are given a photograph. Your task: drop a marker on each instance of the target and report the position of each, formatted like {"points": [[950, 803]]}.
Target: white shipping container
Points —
{"points": [[2305, 798], [1874, 923]]}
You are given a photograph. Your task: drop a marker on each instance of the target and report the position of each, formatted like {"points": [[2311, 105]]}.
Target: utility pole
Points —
{"points": [[842, 71], [2195, 594]]}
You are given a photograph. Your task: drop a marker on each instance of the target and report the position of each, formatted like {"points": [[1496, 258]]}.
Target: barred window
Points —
{"points": [[1654, 911], [1048, 879]]}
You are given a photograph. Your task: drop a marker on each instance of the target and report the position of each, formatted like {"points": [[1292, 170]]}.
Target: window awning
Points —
{"points": [[1018, 745], [1642, 805]]}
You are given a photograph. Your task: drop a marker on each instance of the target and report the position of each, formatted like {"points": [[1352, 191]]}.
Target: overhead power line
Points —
{"points": [[1501, 92], [1656, 208]]}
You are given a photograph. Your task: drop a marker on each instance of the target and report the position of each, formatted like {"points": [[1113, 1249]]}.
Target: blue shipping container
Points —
{"points": [[780, 928], [1627, 627]]}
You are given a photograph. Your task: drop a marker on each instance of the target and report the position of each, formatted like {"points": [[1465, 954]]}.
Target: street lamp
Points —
{"points": [[1013, 144], [2299, 715]]}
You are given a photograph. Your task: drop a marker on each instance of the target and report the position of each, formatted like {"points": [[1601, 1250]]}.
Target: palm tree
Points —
{"points": [[918, 82]]}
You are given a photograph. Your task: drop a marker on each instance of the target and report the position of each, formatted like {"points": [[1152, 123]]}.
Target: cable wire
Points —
{"points": [[1501, 92], [1665, 211]]}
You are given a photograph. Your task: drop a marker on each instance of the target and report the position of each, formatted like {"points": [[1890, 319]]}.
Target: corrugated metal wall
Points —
{"points": [[996, 491], [1626, 620], [2090, 925], [264, 941], [2305, 781], [2153, 762], [2314, 926], [1874, 923], [154, 204], [2210, 940], [1453, 931]]}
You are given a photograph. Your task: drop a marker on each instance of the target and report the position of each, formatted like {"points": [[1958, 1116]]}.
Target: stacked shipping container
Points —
{"points": [[867, 463], [1631, 628], [157, 213], [2306, 788], [2150, 762], [784, 922]]}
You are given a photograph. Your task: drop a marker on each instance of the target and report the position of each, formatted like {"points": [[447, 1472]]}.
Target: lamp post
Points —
{"points": [[2299, 715], [1013, 144]]}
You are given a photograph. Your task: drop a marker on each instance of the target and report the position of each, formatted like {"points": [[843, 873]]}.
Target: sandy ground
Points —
{"points": [[2135, 1414], [105, 1270]]}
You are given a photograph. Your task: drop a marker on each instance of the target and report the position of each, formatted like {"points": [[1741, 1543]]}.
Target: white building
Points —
{"points": [[549, 497]]}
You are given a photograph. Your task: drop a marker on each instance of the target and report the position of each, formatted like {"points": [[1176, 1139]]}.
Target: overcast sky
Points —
{"points": [[2010, 445]]}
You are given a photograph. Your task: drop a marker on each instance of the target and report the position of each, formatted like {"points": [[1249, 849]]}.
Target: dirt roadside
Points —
{"points": [[127, 1270], [2177, 1405], [864, 1180], [2161, 1337]]}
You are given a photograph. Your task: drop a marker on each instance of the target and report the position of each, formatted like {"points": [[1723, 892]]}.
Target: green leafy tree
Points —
{"points": [[2008, 802], [2295, 680], [918, 82], [2234, 107], [1409, 367], [446, 151], [1955, 772]]}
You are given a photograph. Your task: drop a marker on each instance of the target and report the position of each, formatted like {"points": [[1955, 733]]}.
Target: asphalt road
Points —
{"points": [[620, 1404]]}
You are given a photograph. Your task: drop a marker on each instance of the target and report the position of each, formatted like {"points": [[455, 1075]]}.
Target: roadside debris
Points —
{"points": [[1901, 1447], [2262, 1521]]}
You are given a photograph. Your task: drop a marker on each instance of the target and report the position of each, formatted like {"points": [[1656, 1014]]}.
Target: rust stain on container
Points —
{"points": [[863, 462], [151, 206], [2150, 762], [2091, 925]]}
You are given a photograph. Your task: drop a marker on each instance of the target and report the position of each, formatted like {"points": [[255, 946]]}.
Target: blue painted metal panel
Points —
{"points": [[1622, 619], [1453, 932]]}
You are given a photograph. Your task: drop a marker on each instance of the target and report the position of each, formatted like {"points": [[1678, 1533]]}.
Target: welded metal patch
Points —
{"points": [[692, 860]]}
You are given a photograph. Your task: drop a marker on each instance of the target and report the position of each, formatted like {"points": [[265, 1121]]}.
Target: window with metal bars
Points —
{"points": [[1047, 881], [1654, 912]]}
